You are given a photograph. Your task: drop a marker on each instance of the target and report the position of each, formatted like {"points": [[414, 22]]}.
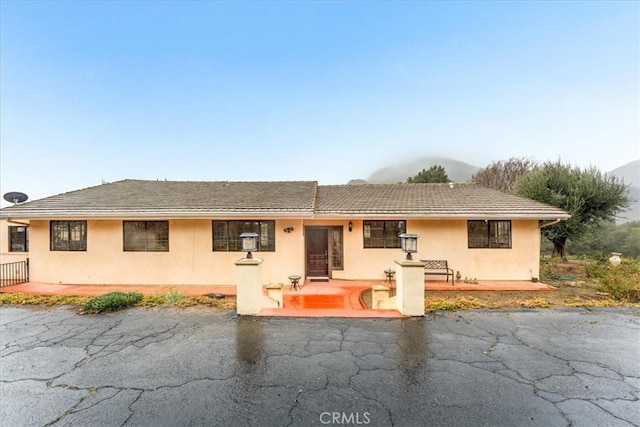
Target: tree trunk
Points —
{"points": [[558, 247]]}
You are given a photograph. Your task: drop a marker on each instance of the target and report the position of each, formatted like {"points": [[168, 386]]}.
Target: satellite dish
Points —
{"points": [[15, 197]]}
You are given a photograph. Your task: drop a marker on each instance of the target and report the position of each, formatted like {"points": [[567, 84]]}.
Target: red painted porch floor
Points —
{"points": [[336, 298]]}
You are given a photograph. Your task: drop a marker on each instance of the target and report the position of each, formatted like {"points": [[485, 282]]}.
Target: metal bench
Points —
{"points": [[438, 264]]}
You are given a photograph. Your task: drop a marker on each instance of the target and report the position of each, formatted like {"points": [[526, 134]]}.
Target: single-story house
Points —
{"points": [[187, 233]]}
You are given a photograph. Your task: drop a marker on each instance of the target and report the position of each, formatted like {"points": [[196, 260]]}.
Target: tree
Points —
{"points": [[502, 175], [432, 175], [625, 239], [589, 196]]}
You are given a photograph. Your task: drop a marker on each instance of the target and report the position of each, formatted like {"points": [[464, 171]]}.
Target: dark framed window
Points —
{"points": [[18, 239], [146, 236], [489, 234], [337, 252], [68, 235], [226, 235], [383, 234]]}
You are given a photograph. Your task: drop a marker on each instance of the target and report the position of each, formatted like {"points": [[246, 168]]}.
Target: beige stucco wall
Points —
{"points": [[5, 255], [190, 259], [447, 239]]}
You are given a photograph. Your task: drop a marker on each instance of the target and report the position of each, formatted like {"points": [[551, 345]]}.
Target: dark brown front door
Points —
{"points": [[317, 243]]}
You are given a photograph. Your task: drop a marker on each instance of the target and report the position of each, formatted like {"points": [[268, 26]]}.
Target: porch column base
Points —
{"points": [[410, 287], [248, 288]]}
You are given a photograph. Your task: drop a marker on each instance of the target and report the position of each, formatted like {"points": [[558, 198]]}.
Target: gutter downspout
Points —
{"points": [[11, 221], [549, 223]]}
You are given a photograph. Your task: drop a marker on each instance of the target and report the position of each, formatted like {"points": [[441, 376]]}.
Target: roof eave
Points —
{"points": [[111, 215], [276, 214], [474, 215]]}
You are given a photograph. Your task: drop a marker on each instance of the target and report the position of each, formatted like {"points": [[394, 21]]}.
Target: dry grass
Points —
{"points": [[147, 300], [453, 303], [27, 299]]}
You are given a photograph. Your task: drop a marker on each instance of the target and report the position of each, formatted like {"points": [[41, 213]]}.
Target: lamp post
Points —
{"points": [[249, 243], [408, 244]]}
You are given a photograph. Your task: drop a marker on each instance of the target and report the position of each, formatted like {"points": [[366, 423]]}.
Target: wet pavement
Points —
{"points": [[203, 366]]}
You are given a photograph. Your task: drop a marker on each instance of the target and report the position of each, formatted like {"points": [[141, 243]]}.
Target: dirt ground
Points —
{"points": [[565, 296], [569, 277]]}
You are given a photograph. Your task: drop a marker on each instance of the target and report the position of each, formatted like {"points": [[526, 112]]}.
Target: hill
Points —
{"points": [[461, 172], [456, 170], [630, 173]]}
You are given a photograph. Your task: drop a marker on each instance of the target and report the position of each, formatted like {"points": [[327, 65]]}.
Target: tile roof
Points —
{"points": [[461, 200], [175, 199]]}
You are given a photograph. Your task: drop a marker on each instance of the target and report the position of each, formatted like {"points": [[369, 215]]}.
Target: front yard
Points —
{"points": [[580, 283]]}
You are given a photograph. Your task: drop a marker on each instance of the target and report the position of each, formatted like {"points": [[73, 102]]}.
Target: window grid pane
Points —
{"points": [[18, 240], [220, 236], [337, 254], [146, 236], [500, 234], [477, 234], [226, 235], [68, 236], [489, 234], [383, 234]]}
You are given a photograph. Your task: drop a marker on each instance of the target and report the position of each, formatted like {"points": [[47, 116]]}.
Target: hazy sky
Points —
{"points": [[325, 91]]}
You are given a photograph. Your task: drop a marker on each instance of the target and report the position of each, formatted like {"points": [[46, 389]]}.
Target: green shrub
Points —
{"points": [[621, 282], [548, 266], [174, 297], [112, 301], [596, 269]]}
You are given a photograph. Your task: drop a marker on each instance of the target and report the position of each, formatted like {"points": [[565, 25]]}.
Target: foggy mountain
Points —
{"points": [[456, 171], [630, 173], [462, 172]]}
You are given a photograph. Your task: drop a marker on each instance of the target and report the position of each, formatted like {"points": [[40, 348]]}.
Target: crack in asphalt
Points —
{"points": [[534, 382], [129, 407], [374, 363]]}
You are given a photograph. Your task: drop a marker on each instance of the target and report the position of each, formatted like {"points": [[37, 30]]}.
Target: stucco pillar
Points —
{"points": [[248, 287], [410, 287]]}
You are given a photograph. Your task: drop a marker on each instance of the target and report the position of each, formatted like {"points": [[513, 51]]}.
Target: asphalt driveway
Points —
{"points": [[203, 366]]}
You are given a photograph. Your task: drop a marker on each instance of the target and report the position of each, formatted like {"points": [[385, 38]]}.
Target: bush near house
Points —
{"points": [[621, 282], [113, 301]]}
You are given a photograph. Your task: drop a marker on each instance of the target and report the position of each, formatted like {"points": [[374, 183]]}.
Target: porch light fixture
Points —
{"points": [[350, 226], [408, 243], [288, 229], [249, 243]]}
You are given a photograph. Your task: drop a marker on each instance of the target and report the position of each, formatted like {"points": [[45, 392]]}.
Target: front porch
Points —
{"points": [[335, 298]]}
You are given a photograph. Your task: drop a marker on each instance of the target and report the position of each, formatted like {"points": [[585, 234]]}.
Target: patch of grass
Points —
{"points": [[179, 300], [152, 300], [227, 302], [112, 301], [604, 303], [105, 302], [534, 303], [453, 304], [174, 297], [90, 392], [27, 299]]}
